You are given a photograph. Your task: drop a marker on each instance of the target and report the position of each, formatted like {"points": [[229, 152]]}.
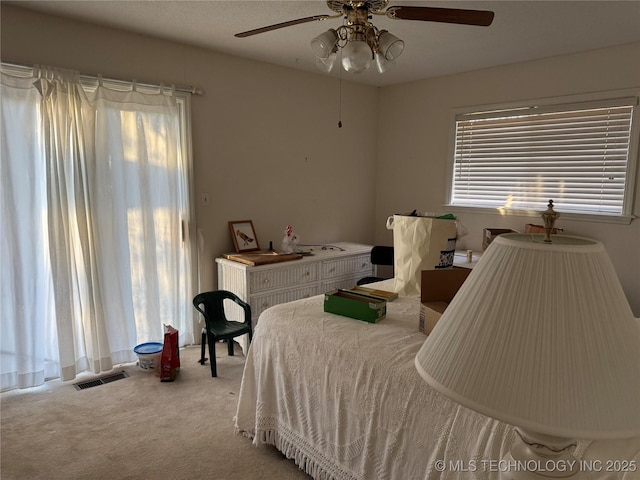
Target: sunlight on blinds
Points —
{"points": [[577, 155]]}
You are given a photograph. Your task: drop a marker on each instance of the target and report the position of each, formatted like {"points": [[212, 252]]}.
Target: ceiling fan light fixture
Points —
{"points": [[390, 45], [361, 41], [356, 56], [326, 64], [382, 64], [324, 44]]}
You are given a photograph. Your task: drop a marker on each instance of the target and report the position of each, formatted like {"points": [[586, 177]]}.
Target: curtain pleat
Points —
{"points": [[28, 339], [68, 143]]}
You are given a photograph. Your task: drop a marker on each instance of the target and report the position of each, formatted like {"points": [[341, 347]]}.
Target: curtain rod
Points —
{"points": [[182, 88]]}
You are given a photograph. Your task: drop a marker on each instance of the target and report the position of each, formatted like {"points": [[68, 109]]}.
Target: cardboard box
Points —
{"points": [[437, 290], [488, 234], [430, 313], [355, 305]]}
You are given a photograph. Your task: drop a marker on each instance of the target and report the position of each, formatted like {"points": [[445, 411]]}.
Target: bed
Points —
{"points": [[342, 398]]}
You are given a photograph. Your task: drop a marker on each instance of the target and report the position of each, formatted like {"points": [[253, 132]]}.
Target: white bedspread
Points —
{"points": [[343, 399]]}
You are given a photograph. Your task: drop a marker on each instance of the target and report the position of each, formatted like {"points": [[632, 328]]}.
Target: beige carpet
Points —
{"points": [[136, 428]]}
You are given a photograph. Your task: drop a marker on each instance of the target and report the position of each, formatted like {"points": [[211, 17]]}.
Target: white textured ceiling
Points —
{"points": [[521, 30]]}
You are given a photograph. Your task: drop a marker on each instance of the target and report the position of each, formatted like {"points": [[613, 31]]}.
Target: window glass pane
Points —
{"points": [[577, 155]]}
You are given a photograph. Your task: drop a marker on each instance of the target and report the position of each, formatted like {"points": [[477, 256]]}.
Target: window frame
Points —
{"points": [[592, 98]]}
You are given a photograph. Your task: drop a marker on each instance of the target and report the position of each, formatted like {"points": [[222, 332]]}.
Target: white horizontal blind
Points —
{"points": [[575, 154]]}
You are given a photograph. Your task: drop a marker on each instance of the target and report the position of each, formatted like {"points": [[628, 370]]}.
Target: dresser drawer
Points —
{"points": [[360, 264], [260, 303], [272, 279]]}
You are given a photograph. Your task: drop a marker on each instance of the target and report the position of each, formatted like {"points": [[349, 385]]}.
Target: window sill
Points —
{"points": [[581, 217]]}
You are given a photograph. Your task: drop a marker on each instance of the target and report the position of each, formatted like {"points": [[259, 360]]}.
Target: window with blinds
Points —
{"points": [[576, 154]]}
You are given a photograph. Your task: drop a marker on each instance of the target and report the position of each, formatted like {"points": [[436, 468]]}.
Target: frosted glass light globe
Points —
{"points": [[356, 56]]}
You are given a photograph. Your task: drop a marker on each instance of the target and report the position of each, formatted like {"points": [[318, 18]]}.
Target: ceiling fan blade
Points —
{"points": [[482, 18], [283, 24]]}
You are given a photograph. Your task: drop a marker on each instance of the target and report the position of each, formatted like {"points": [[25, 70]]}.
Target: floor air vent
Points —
{"points": [[101, 380]]}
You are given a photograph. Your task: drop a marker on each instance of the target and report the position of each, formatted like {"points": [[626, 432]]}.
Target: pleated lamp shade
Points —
{"points": [[541, 336]]}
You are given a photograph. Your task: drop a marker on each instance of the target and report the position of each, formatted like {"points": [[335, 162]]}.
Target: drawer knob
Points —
{"points": [[266, 280], [265, 304]]}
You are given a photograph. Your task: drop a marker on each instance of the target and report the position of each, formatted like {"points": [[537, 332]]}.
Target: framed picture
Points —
{"points": [[244, 236]]}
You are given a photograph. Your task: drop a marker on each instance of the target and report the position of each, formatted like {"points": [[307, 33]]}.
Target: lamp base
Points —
{"points": [[540, 457]]}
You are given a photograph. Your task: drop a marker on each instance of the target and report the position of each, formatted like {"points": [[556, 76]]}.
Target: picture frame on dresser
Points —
{"points": [[244, 236]]}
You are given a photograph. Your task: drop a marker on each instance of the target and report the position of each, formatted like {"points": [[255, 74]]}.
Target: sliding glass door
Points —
{"points": [[96, 254]]}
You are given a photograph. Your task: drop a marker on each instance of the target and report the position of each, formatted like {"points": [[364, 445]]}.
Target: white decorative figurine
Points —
{"points": [[290, 240]]}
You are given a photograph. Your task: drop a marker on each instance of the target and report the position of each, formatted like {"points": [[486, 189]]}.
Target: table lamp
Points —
{"points": [[542, 337]]}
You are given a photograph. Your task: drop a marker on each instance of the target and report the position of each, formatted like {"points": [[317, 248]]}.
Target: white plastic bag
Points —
{"points": [[420, 243]]}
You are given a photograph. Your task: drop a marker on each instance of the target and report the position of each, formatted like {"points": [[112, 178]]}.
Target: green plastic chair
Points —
{"points": [[217, 326]]}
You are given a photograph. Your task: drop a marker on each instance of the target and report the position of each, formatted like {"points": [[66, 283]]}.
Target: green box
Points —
{"points": [[355, 305]]}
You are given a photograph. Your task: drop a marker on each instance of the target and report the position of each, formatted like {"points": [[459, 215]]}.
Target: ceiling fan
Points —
{"points": [[360, 42]]}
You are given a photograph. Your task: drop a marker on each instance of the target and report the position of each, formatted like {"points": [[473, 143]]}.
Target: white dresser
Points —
{"points": [[340, 265]]}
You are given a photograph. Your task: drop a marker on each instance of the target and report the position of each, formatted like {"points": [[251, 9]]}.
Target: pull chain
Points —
{"points": [[340, 93]]}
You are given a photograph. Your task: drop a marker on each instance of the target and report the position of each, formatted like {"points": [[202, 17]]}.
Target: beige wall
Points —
{"points": [[414, 140], [267, 148]]}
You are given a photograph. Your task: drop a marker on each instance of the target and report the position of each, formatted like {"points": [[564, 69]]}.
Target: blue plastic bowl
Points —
{"points": [[148, 348]]}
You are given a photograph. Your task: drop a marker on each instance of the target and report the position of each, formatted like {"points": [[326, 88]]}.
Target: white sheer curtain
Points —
{"points": [[28, 337], [137, 182], [113, 199]]}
